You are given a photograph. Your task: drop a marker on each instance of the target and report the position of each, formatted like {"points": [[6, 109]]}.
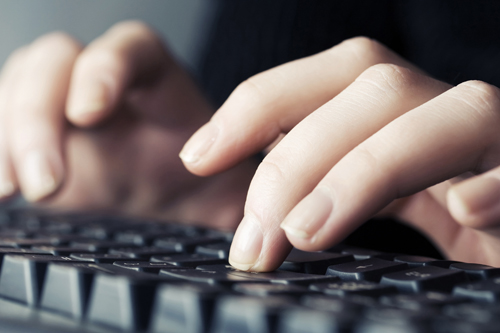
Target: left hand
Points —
{"points": [[366, 133]]}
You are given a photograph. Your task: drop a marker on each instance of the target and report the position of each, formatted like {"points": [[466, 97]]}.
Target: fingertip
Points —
{"points": [[89, 102], [196, 151], [475, 202], [39, 175], [247, 244]]}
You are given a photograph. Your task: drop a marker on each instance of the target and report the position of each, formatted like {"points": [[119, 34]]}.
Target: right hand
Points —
{"points": [[101, 127]]}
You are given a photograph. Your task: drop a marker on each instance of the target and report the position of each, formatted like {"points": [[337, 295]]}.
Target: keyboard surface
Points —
{"points": [[94, 273]]}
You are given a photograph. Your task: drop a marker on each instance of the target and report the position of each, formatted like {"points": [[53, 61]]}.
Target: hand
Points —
{"points": [[366, 133], [100, 127]]}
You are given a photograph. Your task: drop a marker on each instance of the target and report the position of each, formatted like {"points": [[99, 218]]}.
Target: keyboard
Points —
{"points": [[74, 272]]}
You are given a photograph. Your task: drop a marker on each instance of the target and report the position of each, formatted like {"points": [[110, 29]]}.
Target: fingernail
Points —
{"points": [[37, 176], [94, 98], [199, 144], [247, 244], [474, 195], [309, 215]]}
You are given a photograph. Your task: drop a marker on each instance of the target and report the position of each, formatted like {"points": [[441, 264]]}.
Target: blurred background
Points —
{"points": [[184, 24]]}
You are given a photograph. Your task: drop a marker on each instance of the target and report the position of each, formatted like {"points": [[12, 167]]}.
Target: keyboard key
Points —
{"points": [[27, 242], [414, 261], [440, 263], [144, 266], [67, 286], [345, 288], [474, 312], [22, 276], [184, 308], [98, 245], [354, 304], [424, 278], [419, 302], [60, 250], [485, 291], [185, 244], [124, 301], [248, 314], [363, 254], [476, 272], [265, 289], [282, 277], [369, 269], [141, 252], [189, 260], [396, 320], [216, 250], [300, 320], [313, 262], [103, 258]]}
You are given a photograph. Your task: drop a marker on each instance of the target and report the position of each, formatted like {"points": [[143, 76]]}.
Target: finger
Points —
{"points": [[129, 53], [274, 101], [445, 137], [296, 165], [475, 202], [35, 114], [8, 183]]}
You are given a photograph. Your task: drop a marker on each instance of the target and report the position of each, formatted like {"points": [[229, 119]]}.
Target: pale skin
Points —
{"points": [[365, 133]]}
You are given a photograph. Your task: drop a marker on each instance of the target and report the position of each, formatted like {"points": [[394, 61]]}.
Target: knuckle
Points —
{"points": [[270, 171], [394, 77], [365, 49], [250, 92], [482, 97], [55, 42], [134, 27], [101, 58], [482, 91]]}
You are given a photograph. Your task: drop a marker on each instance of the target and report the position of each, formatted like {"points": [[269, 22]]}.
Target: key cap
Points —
{"points": [[363, 254], [265, 289], [143, 238], [60, 250], [124, 301], [418, 302], [474, 312], [206, 276], [216, 250], [10, 250], [485, 291], [476, 272], [396, 320], [282, 277], [185, 244], [144, 266], [67, 286], [299, 320], [189, 260], [27, 242], [184, 308], [98, 245], [414, 261], [141, 252], [345, 288], [369, 269], [425, 278], [338, 305], [248, 314], [103, 258], [313, 262], [22, 276], [440, 263]]}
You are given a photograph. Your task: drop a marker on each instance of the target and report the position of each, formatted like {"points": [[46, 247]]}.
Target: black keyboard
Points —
{"points": [[95, 273]]}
